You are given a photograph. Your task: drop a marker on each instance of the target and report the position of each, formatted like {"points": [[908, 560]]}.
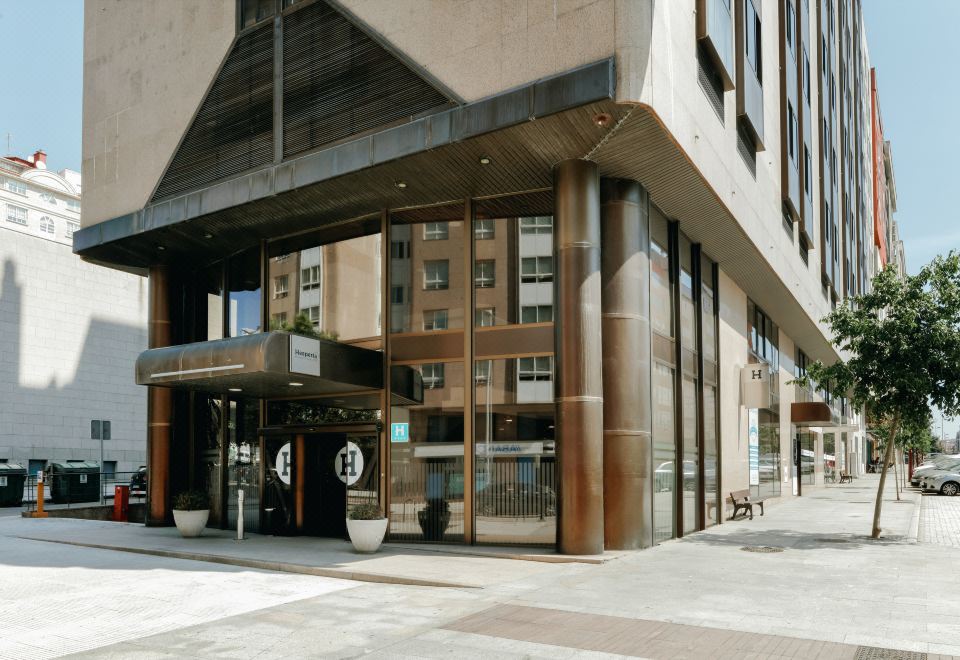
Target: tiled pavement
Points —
{"points": [[651, 639], [940, 520]]}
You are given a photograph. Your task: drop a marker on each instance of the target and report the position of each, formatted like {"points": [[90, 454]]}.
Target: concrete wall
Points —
{"points": [[146, 67], [69, 335]]}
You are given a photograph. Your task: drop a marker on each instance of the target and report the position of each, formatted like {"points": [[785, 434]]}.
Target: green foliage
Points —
{"points": [[302, 325], [366, 511], [191, 500], [903, 343]]}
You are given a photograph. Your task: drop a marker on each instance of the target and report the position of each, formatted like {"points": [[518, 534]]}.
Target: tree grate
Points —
{"points": [[761, 548], [878, 653]]}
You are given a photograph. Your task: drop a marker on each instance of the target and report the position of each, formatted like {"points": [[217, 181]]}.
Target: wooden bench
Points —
{"points": [[846, 478], [741, 501]]}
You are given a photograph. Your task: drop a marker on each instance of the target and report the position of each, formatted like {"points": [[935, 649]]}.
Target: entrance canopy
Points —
{"points": [[275, 365]]}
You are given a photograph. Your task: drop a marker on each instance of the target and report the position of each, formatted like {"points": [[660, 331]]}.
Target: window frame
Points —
{"points": [[436, 283]]}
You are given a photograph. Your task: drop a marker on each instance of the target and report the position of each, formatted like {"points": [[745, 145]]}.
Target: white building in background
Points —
{"points": [[69, 331]]}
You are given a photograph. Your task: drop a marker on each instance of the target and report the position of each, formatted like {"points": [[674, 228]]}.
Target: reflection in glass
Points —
{"points": [[243, 463], [664, 452], [691, 457], [208, 417], [829, 458], [710, 468], [769, 455], [243, 282], [660, 305], [331, 290], [426, 276], [516, 494], [807, 456], [427, 469]]}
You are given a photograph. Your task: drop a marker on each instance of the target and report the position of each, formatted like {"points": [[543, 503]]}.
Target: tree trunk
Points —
{"points": [[896, 471], [894, 427]]}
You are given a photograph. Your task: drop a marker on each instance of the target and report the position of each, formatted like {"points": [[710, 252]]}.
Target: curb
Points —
{"points": [[516, 556], [283, 567]]}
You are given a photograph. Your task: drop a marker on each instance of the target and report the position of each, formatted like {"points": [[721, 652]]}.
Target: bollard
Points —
{"points": [[240, 514], [39, 513]]}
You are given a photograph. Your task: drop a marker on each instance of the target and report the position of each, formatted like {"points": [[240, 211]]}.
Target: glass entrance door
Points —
{"points": [[308, 477]]}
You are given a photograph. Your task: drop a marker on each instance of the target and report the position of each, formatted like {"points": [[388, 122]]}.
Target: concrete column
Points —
{"points": [[159, 405], [578, 385], [627, 420]]}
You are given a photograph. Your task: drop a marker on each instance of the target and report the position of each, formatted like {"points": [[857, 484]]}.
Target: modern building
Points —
{"points": [[552, 267], [69, 331]]}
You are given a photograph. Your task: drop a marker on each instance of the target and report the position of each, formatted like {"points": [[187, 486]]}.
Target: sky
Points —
{"points": [[910, 44]]}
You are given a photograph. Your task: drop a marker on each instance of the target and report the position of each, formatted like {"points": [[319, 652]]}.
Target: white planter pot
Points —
{"points": [[191, 523], [366, 535]]}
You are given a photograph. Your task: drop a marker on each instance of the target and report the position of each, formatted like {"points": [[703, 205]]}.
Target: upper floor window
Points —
{"points": [[791, 132], [254, 11], [536, 313], [485, 317], [436, 274], [15, 185], [536, 269], [310, 278], [535, 368], [72, 227], [16, 214], [399, 249], [806, 76], [483, 229], [435, 319], [432, 376], [484, 275], [435, 231], [47, 225], [752, 39], [48, 198], [541, 224], [281, 286], [807, 173], [73, 205]]}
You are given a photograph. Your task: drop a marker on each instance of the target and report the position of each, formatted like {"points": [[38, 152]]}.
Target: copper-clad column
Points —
{"points": [[579, 386], [627, 421], [159, 405]]}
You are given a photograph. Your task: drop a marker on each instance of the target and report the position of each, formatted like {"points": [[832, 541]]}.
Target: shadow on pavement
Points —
{"points": [[792, 539]]}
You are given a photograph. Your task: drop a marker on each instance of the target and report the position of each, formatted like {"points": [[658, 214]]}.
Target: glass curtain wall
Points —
{"points": [[664, 364], [514, 448], [764, 349], [829, 458], [689, 389], [243, 463], [711, 467], [807, 457], [427, 310]]}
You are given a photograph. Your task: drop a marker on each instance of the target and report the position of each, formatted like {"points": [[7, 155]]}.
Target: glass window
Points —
{"points": [[660, 303], [73, 205], [432, 376], [484, 229], [791, 132], [243, 463], [47, 226], [436, 274], [484, 276], [535, 368], [16, 214], [789, 25], [542, 224], [281, 286], [664, 453], [536, 269], [72, 227], [435, 231], [753, 41], [427, 479], [536, 314], [15, 185], [243, 281], [310, 278], [254, 11], [515, 455], [435, 319], [769, 454], [481, 372], [691, 455], [48, 198], [485, 317]]}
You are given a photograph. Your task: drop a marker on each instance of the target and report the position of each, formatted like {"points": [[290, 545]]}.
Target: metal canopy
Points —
{"points": [[278, 365]]}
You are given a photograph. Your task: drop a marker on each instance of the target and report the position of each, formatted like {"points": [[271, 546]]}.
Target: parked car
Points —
{"points": [[138, 482], [928, 469], [945, 484]]}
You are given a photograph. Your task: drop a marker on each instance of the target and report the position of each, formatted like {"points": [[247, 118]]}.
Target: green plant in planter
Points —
{"points": [[366, 511], [191, 500]]}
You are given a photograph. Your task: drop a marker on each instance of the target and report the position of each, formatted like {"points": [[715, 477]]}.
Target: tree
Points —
{"points": [[902, 344], [302, 325]]}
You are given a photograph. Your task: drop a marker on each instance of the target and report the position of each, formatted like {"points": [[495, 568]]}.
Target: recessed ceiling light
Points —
{"points": [[484, 160], [208, 235], [161, 247], [295, 384], [401, 184], [236, 389], [602, 119]]}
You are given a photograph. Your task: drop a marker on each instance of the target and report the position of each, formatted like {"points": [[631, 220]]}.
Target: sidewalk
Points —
{"points": [[826, 590]]}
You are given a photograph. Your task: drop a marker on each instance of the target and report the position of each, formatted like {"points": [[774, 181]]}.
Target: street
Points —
{"points": [[830, 590]]}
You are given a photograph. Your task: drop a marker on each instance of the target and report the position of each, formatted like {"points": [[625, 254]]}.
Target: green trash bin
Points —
{"points": [[12, 478], [74, 481]]}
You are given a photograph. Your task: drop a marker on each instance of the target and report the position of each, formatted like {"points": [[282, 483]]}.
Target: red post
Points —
{"points": [[911, 464], [121, 503]]}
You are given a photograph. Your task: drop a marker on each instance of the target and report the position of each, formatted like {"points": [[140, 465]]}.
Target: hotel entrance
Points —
{"points": [[312, 477]]}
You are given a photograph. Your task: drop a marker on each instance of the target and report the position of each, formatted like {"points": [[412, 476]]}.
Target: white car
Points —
{"points": [[945, 484], [927, 469]]}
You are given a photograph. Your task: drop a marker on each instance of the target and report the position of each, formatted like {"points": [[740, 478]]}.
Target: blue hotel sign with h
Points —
{"points": [[400, 432]]}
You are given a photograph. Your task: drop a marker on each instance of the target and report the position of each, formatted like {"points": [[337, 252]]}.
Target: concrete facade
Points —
{"points": [[69, 331]]}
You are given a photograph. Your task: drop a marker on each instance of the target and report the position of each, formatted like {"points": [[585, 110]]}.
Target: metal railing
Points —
{"points": [[80, 489]]}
